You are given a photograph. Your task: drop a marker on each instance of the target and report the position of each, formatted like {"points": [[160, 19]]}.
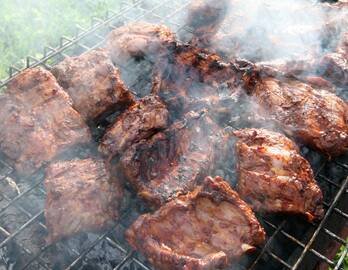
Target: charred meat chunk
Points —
{"points": [[81, 196], [146, 117], [171, 162], [139, 40], [334, 66], [93, 83], [273, 176], [191, 64], [37, 121], [208, 228], [194, 74], [205, 18], [318, 118]]}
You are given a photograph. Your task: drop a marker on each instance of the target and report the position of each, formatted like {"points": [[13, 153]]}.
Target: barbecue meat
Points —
{"points": [[37, 121], [171, 162], [140, 121], [206, 229], [81, 196], [205, 18], [334, 66], [93, 84], [316, 117], [273, 176], [194, 74], [200, 66], [139, 40]]}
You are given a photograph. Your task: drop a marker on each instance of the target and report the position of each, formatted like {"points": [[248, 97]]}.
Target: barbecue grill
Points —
{"points": [[292, 243]]}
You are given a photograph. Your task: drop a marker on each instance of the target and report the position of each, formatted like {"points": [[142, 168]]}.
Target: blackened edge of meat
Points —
{"points": [[217, 190]]}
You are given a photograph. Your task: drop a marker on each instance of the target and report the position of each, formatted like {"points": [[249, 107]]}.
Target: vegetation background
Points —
{"points": [[26, 26]]}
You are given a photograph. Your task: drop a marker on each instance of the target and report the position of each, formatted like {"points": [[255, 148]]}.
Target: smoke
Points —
{"points": [[269, 29]]}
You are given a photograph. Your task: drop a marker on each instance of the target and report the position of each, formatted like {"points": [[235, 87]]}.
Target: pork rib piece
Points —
{"points": [[37, 121], [208, 228], [93, 84], [140, 39], [81, 196], [273, 176], [318, 118], [147, 116], [171, 162]]}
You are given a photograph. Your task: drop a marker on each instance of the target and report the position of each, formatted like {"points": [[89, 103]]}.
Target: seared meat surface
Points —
{"points": [[181, 72], [316, 117], [171, 162], [139, 40], [81, 196], [147, 116], [37, 121], [273, 176], [93, 84], [190, 64], [206, 229], [205, 18], [194, 74], [334, 66]]}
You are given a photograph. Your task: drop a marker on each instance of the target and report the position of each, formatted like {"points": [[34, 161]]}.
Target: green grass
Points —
{"points": [[26, 26], [338, 256]]}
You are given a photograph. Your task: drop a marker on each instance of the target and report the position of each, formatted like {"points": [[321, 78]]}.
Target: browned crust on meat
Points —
{"points": [[162, 256], [139, 39], [81, 196], [37, 121], [94, 84], [274, 177], [171, 162], [317, 118], [140, 121]]}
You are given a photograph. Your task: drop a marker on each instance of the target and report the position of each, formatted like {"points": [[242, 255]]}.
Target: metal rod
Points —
{"points": [[29, 222], [75, 40], [265, 247], [315, 234]]}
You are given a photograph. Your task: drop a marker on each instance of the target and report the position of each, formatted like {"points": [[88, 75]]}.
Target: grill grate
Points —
{"points": [[291, 244]]}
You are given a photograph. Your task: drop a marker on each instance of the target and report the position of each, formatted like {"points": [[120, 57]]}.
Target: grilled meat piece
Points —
{"points": [[316, 117], [147, 116], [334, 66], [171, 162], [194, 74], [304, 70], [139, 40], [93, 84], [37, 121], [206, 229], [205, 18], [81, 196], [200, 66], [273, 176]]}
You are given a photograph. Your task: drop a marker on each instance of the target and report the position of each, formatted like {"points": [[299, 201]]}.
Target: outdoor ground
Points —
{"points": [[26, 26]]}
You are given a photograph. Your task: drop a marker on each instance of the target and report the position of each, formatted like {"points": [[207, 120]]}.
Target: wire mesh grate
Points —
{"points": [[291, 242]]}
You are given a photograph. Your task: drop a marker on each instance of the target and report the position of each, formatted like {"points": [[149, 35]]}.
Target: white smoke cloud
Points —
{"points": [[271, 29]]}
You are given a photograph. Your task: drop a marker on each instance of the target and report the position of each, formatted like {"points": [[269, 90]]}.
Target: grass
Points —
{"points": [[26, 26], [338, 256]]}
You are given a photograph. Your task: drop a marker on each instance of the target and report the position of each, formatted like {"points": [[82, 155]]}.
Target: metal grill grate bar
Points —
{"points": [[307, 247]]}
